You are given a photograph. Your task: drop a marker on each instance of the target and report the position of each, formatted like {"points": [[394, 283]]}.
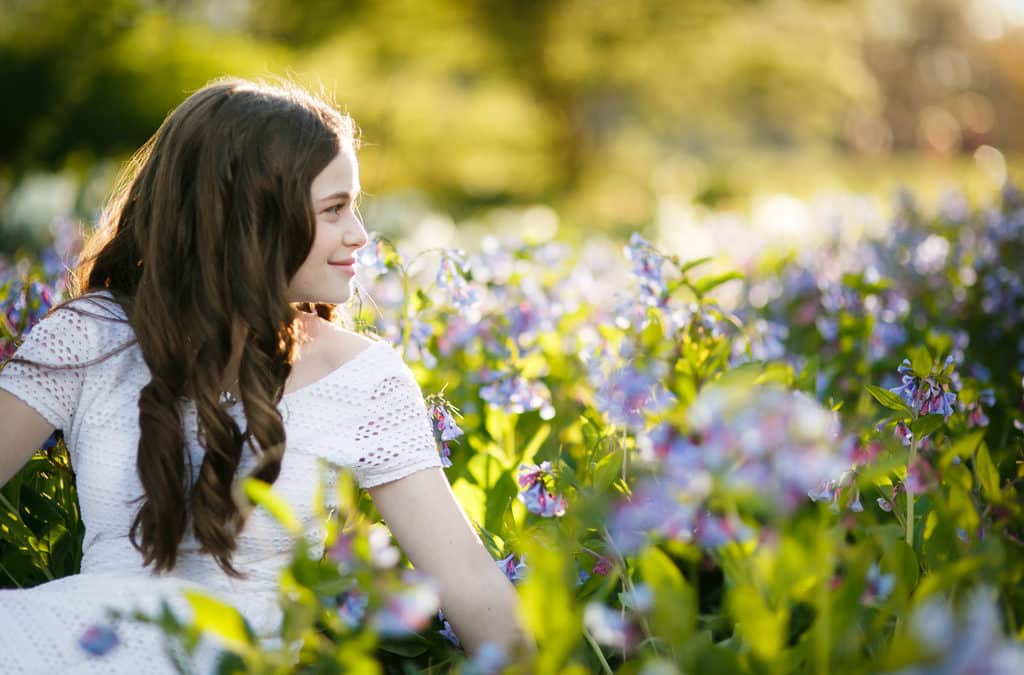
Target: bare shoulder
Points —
{"points": [[334, 345]]}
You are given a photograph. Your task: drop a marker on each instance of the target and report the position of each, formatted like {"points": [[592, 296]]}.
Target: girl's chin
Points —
{"points": [[334, 298]]}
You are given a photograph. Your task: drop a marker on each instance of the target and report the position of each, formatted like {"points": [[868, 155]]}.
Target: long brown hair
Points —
{"points": [[212, 220]]}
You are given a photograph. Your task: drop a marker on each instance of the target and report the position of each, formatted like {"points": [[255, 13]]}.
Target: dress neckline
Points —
{"points": [[362, 353], [333, 373]]}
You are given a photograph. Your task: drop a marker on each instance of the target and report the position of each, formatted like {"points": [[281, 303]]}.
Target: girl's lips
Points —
{"points": [[348, 266]]}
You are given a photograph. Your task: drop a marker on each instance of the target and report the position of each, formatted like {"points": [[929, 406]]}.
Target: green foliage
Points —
{"points": [[757, 580]]}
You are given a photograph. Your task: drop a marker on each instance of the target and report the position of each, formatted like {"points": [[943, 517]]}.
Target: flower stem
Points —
{"points": [[627, 583], [625, 457], [406, 319], [597, 651], [909, 494]]}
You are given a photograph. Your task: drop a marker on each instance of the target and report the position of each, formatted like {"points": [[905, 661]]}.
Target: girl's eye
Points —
{"points": [[337, 209]]}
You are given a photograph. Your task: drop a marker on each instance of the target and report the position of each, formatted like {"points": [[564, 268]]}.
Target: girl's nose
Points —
{"points": [[356, 234]]}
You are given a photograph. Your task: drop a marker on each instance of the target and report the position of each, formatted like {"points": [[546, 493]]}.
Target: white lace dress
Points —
{"points": [[367, 415]]}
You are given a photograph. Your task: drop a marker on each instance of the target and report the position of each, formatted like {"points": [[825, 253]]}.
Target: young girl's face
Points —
{"points": [[327, 272]]}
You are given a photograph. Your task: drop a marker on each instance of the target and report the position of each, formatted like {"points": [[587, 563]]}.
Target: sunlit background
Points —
{"points": [[695, 121]]}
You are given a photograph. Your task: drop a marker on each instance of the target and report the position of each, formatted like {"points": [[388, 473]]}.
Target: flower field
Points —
{"points": [[804, 460]]}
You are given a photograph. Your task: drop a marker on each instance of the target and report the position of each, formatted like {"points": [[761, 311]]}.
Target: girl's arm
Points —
{"points": [[24, 432], [434, 533]]}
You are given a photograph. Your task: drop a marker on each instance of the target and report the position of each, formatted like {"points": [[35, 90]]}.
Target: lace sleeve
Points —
{"points": [[393, 437], [63, 338]]}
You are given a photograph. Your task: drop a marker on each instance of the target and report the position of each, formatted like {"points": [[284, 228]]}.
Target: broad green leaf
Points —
{"points": [[546, 604], [221, 620], [608, 468], [499, 498], [921, 360], [472, 499], [409, 647], [777, 373], [675, 603], [965, 446], [987, 473], [759, 626], [889, 399], [539, 436], [262, 494], [923, 426]]}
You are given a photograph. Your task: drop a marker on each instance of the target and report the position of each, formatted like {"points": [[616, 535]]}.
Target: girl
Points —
{"points": [[198, 349]]}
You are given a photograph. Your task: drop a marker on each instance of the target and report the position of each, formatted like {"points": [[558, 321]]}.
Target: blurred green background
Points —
{"points": [[600, 111]]}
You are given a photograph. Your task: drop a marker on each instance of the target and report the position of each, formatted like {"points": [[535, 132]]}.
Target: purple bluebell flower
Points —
{"points": [[446, 630], [832, 490], [514, 569], [976, 416], [442, 421], [826, 491], [648, 267], [640, 599], [446, 455], [531, 473], [51, 442], [451, 278], [535, 495], [714, 531], [629, 393], [609, 627], [542, 502], [382, 554], [766, 441], [340, 552], [967, 641], [419, 336], [408, 610], [924, 395], [878, 586], [921, 476], [656, 508], [460, 333], [352, 607], [603, 566], [98, 640], [904, 433], [511, 392], [885, 338], [372, 257]]}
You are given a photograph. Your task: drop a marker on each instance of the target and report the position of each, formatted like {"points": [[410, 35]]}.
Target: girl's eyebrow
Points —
{"points": [[337, 195]]}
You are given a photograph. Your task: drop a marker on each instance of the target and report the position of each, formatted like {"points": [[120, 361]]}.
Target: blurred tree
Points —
{"points": [[478, 102], [96, 79]]}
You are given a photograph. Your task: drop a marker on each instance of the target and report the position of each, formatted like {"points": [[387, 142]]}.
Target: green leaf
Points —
{"points": [[223, 621], [531, 448], [409, 647], [705, 285], [499, 499], [889, 399], [988, 475], [262, 494], [759, 626], [923, 426], [675, 603], [965, 446], [921, 361], [607, 469], [687, 266]]}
